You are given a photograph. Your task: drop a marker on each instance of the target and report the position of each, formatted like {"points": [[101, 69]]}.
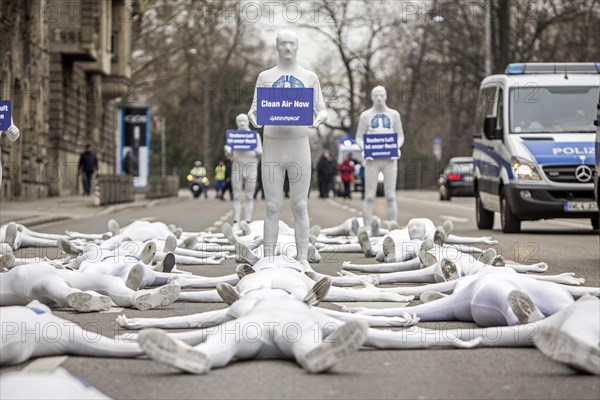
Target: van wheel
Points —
{"points": [[485, 218], [595, 223], [510, 223]]}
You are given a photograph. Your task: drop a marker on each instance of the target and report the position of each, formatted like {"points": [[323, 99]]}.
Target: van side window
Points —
{"points": [[485, 107], [500, 110]]}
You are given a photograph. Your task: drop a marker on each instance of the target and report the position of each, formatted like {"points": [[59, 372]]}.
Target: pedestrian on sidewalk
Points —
{"points": [[88, 166], [347, 174], [326, 170], [220, 176], [228, 186]]}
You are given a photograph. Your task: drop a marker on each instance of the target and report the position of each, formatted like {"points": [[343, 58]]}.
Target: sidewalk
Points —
{"points": [[52, 209]]}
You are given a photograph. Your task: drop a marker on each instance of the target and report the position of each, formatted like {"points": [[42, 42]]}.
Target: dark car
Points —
{"points": [[457, 178]]}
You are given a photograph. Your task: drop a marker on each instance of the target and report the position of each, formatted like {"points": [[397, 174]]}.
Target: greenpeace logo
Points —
{"points": [[284, 118]]}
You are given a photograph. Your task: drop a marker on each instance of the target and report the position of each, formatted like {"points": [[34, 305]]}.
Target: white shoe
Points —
{"points": [[158, 297], [135, 276], [346, 340], [88, 301], [160, 347], [228, 293], [389, 249], [523, 307], [365, 243], [318, 292]]}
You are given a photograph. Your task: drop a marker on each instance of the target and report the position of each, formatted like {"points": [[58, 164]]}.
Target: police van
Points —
{"points": [[533, 146]]}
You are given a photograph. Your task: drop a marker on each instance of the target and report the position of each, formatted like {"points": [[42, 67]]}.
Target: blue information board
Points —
{"points": [[5, 113], [381, 145], [285, 106], [242, 140]]}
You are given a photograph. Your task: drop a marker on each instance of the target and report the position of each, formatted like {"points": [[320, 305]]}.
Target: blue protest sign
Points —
{"points": [[285, 106], [381, 145], [5, 110], [242, 140]]}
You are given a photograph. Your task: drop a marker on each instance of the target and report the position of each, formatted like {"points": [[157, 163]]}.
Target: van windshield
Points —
{"points": [[535, 109]]}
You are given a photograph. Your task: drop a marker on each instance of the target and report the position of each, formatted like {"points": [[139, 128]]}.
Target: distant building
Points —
{"points": [[64, 62]]}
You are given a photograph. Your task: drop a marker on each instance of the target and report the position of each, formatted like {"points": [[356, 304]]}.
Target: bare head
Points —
{"points": [[287, 45], [242, 122], [379, 96], [416, 229]]}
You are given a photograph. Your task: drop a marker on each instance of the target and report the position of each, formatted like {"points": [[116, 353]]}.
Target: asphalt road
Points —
{"points": [[516, 373]]}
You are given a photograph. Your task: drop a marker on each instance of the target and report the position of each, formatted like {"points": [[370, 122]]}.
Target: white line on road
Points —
{"points": [[454, 219], [44, 364]]}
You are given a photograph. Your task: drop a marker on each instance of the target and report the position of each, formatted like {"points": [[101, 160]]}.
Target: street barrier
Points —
{"points": [[162, 186], [113, 189]]}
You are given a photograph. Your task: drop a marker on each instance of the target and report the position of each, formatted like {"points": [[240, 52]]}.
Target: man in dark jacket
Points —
{"points": [[326, 170], [88, 166]]}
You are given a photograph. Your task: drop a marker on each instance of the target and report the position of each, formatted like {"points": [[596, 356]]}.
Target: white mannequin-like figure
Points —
{"points": [[286, 148], [268, 314], [287, 274], [484, 298], [84, 292], [65, 337], [380, 119], [244, 173], [12, 134]]}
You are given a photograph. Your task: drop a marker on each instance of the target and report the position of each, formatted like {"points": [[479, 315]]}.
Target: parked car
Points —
{"points": [[457, 178]]}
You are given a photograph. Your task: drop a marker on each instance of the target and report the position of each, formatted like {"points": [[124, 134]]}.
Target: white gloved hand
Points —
{"points": [[228, 150], [12, 133], [369, 159], [252, 118]]}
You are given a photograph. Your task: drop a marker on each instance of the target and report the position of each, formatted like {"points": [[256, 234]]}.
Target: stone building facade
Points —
{"points": [[64, 62]]}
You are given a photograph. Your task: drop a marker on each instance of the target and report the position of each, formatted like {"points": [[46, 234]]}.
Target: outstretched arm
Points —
{"points": [[200, 320]]}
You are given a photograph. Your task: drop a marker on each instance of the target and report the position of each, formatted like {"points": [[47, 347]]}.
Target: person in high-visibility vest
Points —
{"points": [[220, 173]]}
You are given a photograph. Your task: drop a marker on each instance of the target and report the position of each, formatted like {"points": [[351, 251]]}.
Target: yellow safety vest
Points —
{"points": [[220, 172], [198, 171]]}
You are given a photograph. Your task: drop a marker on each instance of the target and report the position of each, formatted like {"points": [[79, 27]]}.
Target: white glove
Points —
{"points": [[12, 133], [252, 118], [369, 159], [228, 150]]}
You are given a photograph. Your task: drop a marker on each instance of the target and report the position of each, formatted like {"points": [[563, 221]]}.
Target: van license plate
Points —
{"points": [[580, 206]]}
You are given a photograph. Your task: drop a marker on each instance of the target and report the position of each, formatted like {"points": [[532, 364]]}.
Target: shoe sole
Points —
{"points": [[135, 276], [562, 347], [345, 341], [389, 249], [168, 263], [439, 237], [228, 293], [318, 292], [245, 254], [354, 227], [10, 235], [245, 228], [522, 305], [365, 243], [159, 297], [228, 232], [86, 302], [160, 347], [449, 270]]}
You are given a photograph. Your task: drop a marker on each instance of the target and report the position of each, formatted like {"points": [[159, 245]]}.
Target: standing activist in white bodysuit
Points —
{"points": [[12, 133], [244, 173], [380, 119], [286, 148]]}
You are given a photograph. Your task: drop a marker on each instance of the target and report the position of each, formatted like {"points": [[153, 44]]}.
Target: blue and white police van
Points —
{"points": [[533, 146]]}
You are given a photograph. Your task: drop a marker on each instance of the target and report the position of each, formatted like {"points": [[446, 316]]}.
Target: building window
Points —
{"points": [[114, 46]]}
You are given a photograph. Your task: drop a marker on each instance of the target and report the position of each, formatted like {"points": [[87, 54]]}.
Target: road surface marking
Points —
{"points": [[454, 219]]}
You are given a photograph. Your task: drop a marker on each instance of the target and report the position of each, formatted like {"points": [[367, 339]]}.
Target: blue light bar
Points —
{"points": [[515, 69]]}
